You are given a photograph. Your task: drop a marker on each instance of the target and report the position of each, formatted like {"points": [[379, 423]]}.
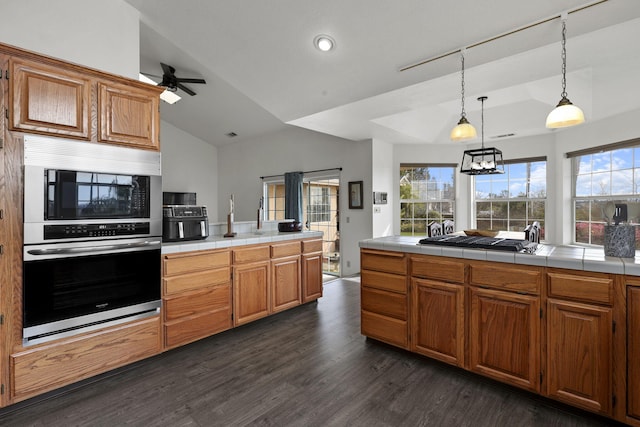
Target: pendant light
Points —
{"points": [[464, 130], [565, 114], [483, 161]]}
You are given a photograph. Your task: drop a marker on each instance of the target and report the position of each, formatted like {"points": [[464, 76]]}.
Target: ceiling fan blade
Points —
{"points": [[151, 75], [167, 69], [186, 89], [181, 80]]}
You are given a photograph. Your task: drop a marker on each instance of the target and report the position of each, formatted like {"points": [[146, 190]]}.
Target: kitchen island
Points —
{"points": [[561, 322]]}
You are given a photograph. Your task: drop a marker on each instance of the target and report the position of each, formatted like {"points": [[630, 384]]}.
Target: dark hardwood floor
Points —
{"points": [[308, 366]]}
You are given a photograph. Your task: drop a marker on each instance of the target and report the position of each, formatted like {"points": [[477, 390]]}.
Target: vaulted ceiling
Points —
{"points": [[264, 74]]}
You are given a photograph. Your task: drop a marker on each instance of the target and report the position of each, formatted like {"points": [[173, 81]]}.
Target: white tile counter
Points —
{"points": [[241, 239], [571, 257]]}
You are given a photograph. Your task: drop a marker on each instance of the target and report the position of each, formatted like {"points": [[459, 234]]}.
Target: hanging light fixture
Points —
{"points": [[565, 114], [464, 130], [483, 161]]}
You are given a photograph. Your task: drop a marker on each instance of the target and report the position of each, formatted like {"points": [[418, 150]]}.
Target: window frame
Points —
{"points": [[419, 229], [514, 224]]}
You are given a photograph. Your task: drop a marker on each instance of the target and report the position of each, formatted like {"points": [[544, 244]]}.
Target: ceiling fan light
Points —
{"points": [[463, 131], [564, 115]]}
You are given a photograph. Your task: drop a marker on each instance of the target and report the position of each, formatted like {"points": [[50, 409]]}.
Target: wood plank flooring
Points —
{"points": [[308, 366]]}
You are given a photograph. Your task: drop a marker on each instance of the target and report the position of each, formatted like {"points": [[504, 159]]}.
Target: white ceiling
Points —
{"points": [[263, 73]]}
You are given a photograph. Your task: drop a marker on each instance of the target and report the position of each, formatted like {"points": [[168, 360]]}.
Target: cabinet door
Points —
{"points": [[579, 354], [285, 283], [250, 292], [50, 100], [437, 325], [311, 277], [633, 352], [504, 337], [128, 116]]}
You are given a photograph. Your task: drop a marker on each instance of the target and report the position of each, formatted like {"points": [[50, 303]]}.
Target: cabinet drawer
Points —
{"points": [[196, 327], [438, 268], [385, 303], [174, 264], [63, 362], [390, 262], [285, 249], [193, 281], [516, 278], [254, 254], [390, 330], [386, 281], [591, 287], [218, 297], [309, 246]]}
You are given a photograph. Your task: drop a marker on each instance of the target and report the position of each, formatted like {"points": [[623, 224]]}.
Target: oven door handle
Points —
{"points": [[91, 249]]}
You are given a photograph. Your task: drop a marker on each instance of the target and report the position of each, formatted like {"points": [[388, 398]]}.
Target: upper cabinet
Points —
{"points": [[52, 97], [51, 100], [128, 115]]}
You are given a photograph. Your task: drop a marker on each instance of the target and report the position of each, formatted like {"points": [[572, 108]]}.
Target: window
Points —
{"points": [[319, 205], [514, 199], [601, 176], [427, 193], [274, 201]]}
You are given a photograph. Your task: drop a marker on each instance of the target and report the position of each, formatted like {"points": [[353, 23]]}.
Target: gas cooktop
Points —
{"points": [[480, 242]]}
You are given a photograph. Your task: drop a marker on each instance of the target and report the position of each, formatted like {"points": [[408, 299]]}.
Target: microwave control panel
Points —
{"points": [[76, 231]]}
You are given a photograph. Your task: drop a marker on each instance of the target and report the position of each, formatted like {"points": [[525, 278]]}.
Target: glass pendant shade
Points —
{"points": [[564, 115], [463, 131]]}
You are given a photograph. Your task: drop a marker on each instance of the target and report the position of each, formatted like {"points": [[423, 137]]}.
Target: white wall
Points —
{"points": [[241, 164], [382, 180], [94, 33], [189, 165]]}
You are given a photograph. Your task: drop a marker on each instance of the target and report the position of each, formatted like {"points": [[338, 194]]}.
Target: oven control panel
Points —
{"points": [[76, 231]]}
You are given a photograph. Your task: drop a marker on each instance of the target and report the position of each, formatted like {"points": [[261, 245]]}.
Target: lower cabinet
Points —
{"points": [[504, 337], [383, 297], [633, 352], [437, 319], [250, 291], [580, 340], [285, 283], [579, 355], [311, 270], [196, 295], [49, 366]]}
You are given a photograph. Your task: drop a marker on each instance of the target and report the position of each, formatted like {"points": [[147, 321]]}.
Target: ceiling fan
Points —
{"points": [[173, 82]]}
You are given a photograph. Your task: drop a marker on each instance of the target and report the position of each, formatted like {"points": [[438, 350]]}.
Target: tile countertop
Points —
{"points": [[241, 239], [571, 257]]}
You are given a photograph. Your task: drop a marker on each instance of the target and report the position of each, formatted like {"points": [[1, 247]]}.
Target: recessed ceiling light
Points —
{"points": [[324, 42]]}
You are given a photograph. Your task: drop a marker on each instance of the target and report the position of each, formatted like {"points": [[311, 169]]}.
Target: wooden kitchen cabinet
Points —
{"points": [[49, 366], [128, 116], [437, 308], [437, 320], [504, 336], [311, 270], [196, 295], [48, 99], [384, 302], [579, 339], [285, 286], [633, 352], [505, 322], [251, 295]]}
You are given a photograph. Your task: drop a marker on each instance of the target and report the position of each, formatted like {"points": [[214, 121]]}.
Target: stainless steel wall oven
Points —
{"points": [[92, 236]]}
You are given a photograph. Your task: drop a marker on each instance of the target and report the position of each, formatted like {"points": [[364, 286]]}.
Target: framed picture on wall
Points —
{"points": [[355, 195]]}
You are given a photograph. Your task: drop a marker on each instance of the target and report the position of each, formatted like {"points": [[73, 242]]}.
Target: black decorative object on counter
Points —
{"points": [[290, 226]]}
